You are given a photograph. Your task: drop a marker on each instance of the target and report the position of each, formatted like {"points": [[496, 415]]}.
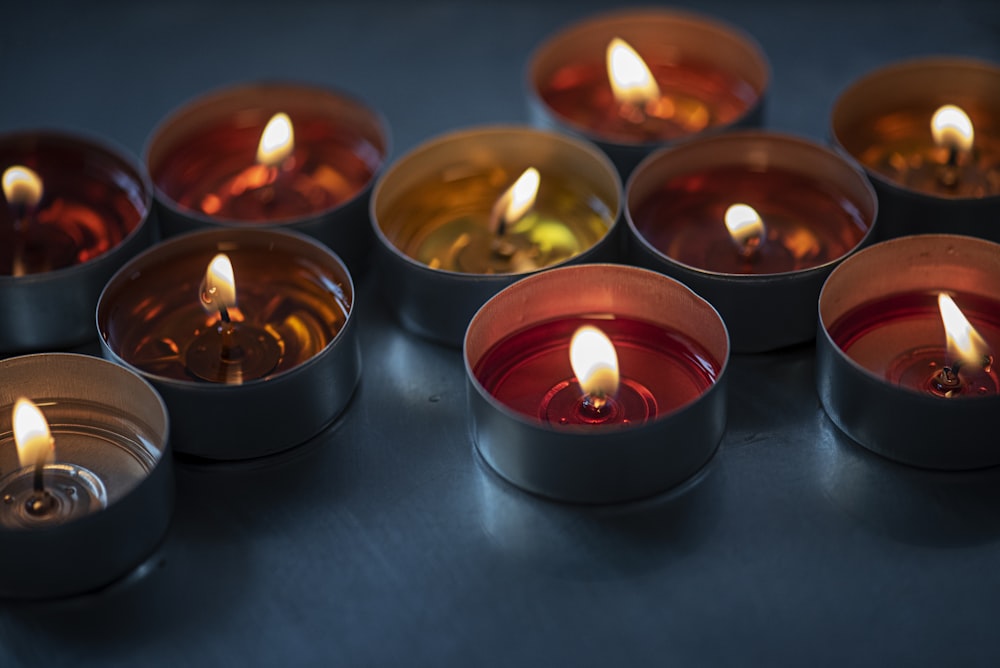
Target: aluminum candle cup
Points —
{"points": [[249, 371], [753, 222], [72, 212], [108, 489], [890, 375], [271, 154], [677, 75], [927, 132], [457, 220], [544, 411]]}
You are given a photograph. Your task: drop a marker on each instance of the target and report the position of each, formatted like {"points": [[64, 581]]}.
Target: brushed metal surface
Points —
{"points": [[386, 541]]}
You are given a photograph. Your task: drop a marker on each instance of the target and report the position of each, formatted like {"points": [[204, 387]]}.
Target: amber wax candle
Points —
{"points": [[240, 325], [926, 132], [73, 211], [634, 80], [270, 154], [912, 325], [470, 212], [753, 222]]}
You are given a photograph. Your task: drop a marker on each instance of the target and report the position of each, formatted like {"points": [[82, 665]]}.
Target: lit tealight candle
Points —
{"points": [[633, 79], [579, 375], [270, 154], [925, 131], [753, 222], [86, 471], [951, 361], [71, 212], [945, 165], [512, 238], [245, 324], [476, 209], [270, 188], [519, 230], [910, 325]]}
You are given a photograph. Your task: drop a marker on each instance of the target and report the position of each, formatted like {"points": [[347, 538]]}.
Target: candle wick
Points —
{"points": [[948, 172], [39, 479], [498, 220], [22, 217], [40, 502], [749, 248], [227, 333], [596, 400], [947, 381]]}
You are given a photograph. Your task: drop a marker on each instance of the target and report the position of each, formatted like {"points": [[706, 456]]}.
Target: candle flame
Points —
{"points": [[631, 80], [219, 289], [277, 141], [31, 434], [952, 128], [516, 201], [595, 361], [22, 186], [745, 226], [964, 342]]}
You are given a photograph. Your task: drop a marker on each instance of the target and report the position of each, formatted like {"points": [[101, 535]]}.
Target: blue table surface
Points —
{"points": [[387, 541]]}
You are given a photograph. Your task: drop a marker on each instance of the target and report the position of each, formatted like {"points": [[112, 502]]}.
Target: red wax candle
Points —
{"points": [[215, 168], [901, 338], [905, 360], [648, 76], [596, 382], [66, 201], [806, 222], [661, 370], [694, 96], [753, 222]]}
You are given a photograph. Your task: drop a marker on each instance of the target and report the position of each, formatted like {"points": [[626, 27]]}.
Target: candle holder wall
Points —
{"points": [[884, 121], [881, 355], [448, 185], [93, 215], [816, 208], [201, 160], [255, 376], [112, 478], [671, 431], [711, 76]]}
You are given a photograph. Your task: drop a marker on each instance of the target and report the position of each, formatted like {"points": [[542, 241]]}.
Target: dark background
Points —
{"points": [[387, 541]]}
